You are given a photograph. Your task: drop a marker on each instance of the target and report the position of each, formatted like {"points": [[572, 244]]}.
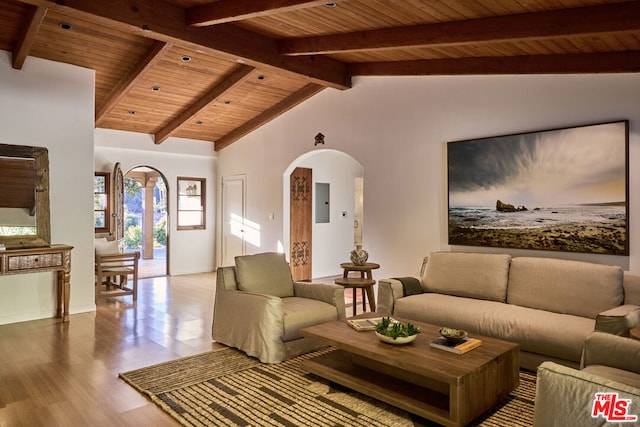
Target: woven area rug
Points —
{"points": [[228, 388]]}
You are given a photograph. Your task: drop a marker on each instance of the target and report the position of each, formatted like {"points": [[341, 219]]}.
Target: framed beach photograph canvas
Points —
{"points": [[553, 190]]}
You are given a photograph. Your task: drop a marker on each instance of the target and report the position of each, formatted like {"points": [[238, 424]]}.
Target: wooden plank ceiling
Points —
{"points": [[217, 70]]}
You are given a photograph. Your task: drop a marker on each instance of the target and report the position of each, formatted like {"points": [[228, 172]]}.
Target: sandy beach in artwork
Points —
{"points": [[585, 238]]}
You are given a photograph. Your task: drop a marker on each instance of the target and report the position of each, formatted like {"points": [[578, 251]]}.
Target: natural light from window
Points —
{"points": [[245, 229]]}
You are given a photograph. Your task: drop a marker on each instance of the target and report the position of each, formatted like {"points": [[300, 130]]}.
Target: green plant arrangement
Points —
{"points": [[392, 329]]}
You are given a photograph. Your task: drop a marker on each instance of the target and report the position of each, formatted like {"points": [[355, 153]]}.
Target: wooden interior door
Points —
{"points": [[300, 223], [118, 202]]}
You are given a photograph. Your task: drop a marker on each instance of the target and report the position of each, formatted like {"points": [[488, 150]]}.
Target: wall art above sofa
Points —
{"points": [[553, 190]]}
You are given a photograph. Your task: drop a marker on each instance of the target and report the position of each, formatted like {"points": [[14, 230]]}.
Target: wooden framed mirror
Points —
{"points": [[24, 196]]}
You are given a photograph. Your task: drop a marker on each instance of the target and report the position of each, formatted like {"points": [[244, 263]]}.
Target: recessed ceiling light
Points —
{"points": [[227, 102], [185, 58], [131, 112], [331, 4], [261, 77], [198, 122], [65, 25], [155, 88]]}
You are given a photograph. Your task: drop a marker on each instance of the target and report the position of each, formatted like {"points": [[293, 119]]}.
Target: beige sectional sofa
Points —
{"points": [[549, 306]]}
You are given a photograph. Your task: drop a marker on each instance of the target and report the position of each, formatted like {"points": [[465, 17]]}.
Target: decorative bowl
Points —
{"points": [[397, 340], [391, 331], [452, 334]]}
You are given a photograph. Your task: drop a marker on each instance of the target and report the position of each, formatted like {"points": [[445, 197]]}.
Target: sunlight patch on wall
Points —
{"points": [[245, 229]]}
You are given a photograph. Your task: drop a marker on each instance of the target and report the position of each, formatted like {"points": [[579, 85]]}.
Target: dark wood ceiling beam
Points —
{"points": [[585, 21], [237, 76], [280, 108], [23, 47], [223, 11], [129, 81], [163, 21], [609, 62]]}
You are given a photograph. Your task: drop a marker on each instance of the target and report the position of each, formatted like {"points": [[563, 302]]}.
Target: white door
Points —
{"points": [[234, 221]]}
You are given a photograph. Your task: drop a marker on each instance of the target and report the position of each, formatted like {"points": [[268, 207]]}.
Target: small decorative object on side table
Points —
{"points": [[634, 333], [359, 256]]}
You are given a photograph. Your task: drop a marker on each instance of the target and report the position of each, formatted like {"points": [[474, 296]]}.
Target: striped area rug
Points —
{"points": [[228, 388]]}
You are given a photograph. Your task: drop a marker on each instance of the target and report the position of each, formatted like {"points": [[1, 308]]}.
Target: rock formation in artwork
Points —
{"points": [[507, 207]]}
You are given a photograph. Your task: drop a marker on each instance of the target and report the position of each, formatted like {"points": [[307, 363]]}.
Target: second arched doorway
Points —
{"points": [[338, 178]]}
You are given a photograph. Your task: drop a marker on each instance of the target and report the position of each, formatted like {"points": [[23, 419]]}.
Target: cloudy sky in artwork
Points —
{"points": [[542, 169]]}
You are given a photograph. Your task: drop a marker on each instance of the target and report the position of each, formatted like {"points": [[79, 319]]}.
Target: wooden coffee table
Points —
{"points": [[447, 388]]}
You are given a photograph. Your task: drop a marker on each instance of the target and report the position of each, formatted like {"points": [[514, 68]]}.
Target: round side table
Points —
{"points": [[364, 282]]}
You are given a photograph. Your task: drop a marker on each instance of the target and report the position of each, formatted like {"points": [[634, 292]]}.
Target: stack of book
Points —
{"points": [[458, 347]]}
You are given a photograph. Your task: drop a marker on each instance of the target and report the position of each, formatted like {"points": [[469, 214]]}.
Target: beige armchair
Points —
{"points": [[260, 310], [610, 365]]}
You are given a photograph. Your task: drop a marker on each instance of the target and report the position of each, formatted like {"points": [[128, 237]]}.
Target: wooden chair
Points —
{"points": [[117, 275]]}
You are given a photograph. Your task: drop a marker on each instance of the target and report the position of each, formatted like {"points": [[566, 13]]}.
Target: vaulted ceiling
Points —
{"points": [[217, 70]]}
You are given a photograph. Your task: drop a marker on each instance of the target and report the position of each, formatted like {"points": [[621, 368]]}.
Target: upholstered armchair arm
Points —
{"points": [[611, 350], [389, 290], [564, 396], [253, 322], [619, 320], [326, 292]]}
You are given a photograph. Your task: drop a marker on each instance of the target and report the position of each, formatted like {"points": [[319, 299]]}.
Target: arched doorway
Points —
{"points": [[335, 236], [145, 223]]}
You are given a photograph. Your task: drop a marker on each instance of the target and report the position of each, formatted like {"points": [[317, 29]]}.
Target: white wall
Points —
{"points": [[190, 251], [51, 105], [397, 128]]}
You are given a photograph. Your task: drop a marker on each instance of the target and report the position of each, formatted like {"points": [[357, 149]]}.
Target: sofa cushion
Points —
{"points": [[266, 273], [537, 331], [474, 275], [302, 312], [563, 286]]}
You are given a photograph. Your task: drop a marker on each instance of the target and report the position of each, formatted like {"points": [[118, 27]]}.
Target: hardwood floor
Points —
{"points": [[54, 374], [66, 374]]}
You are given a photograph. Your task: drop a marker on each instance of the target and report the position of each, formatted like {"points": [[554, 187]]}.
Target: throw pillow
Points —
{"points": [[266, 273]]}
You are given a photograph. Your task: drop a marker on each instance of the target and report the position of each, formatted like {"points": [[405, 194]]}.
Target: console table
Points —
{"points": [[56, 258]]}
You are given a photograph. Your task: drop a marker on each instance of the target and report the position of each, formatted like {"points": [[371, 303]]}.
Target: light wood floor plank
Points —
{"points": [[55, 374]]}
